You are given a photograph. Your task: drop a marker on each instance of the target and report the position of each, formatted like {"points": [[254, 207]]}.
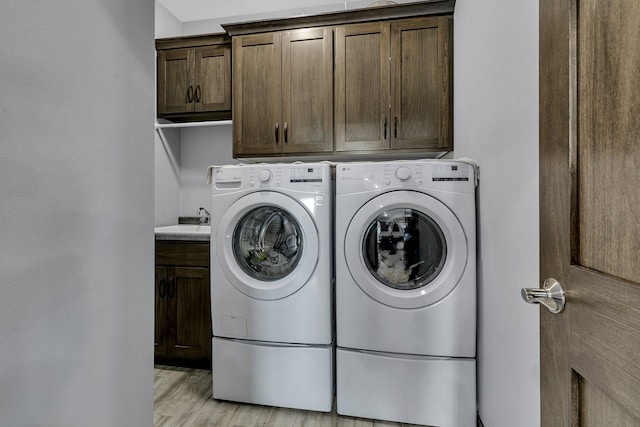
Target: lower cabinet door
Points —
{"points": [[160, 340], [182, 315], [189, 311]]}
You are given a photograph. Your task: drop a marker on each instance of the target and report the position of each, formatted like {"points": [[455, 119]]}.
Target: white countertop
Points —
{"points": [[183, 232]]}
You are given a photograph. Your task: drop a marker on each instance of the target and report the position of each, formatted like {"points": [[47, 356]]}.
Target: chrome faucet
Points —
{"points": [[206, 218]]}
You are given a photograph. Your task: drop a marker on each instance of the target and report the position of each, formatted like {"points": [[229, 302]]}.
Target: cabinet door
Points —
{"points": [[362, 98], [420, 81], [189, 311], [175, 81], [307, 83], [213, 78], [160, 342], [257, 92]]}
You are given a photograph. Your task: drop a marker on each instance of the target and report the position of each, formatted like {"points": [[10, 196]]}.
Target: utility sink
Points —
{"points": [[183, 232]]}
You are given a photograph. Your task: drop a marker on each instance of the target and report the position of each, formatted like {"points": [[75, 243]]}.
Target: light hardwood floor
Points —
{"points": [[182, 397]]}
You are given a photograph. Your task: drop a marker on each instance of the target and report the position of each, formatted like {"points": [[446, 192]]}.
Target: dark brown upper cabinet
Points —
{"points": [[393, 85], [194, 78], [374, 81], [283, 92]]}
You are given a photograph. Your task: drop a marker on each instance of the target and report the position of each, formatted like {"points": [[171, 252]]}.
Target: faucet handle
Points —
{"points": [[205, 219]]}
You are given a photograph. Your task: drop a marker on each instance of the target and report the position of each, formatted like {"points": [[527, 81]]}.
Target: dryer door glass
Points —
{"points": [[267, 243], [404, 249]]}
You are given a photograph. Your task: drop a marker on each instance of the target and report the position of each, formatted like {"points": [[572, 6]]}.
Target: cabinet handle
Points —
{"points": [[198, 93], [162, 291], [395, 127], [277, 132], [286, 137], [190, 94], [385, 128], [171, 289]]}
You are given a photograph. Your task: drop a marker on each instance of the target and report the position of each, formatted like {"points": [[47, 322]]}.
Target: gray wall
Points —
{"points": [[182, 157], [76, 242], [167, 176], [166, 24], [200, 148], [496, 123]]}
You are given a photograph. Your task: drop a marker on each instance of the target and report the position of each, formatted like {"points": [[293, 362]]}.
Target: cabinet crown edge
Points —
{"points": [[193, 41], [369, 14]]}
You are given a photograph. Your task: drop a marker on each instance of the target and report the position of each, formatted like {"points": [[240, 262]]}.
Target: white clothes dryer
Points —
{"points": [[272, 284], [406, 291]]}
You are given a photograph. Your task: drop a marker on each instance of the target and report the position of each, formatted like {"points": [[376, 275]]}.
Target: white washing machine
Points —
{"points": [[272, 284], [406, 291]]}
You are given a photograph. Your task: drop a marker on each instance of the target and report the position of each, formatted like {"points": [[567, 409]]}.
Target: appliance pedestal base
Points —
{"points": [[290, 376], [406, 388]]}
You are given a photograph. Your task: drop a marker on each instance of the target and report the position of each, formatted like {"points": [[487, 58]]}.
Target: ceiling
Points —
{"points": [[196, 10]]}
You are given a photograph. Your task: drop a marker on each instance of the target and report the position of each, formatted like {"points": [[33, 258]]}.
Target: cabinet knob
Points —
{"points": [[385, 128], [190, 94], [171, 289], [162, 288]]}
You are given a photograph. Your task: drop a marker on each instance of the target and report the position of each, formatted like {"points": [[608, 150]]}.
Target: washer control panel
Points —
{"points": [[403, 174], [459, 172], [447, 175], [264, 176], [305, 177], [305, 174]]}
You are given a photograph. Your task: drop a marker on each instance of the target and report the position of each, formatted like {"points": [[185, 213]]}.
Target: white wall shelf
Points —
{"points": [[192, 124]]}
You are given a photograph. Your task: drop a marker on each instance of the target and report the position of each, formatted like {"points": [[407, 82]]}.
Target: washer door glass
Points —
{"points": [[404, 249], [267, 243]]}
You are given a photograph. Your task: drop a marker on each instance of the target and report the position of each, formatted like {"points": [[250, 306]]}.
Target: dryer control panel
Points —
{"points": [[445, 175]]}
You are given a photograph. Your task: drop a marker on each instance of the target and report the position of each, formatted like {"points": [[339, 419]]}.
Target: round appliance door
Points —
{"points": [[405, 249], [267, 245]]}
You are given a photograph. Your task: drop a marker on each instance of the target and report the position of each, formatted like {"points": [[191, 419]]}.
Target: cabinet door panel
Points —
{"points": [[362, 87], [420, 83], [213, 68], [159, 340], [257, 91], [190, 310], [307, 76], [175, 81]]}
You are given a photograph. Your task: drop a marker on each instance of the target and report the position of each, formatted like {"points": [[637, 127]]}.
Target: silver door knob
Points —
{"points": [[551, 295]]}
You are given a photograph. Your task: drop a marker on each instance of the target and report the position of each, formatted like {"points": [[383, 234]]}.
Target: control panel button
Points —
{"points": [[264, 175], [403, 173]]}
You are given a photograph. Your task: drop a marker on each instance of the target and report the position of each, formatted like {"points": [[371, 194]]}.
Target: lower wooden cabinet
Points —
{"points": [[182, 303]]}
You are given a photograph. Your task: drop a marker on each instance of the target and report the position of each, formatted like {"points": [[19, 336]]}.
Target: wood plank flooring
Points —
{"points": [[182, 398]]}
